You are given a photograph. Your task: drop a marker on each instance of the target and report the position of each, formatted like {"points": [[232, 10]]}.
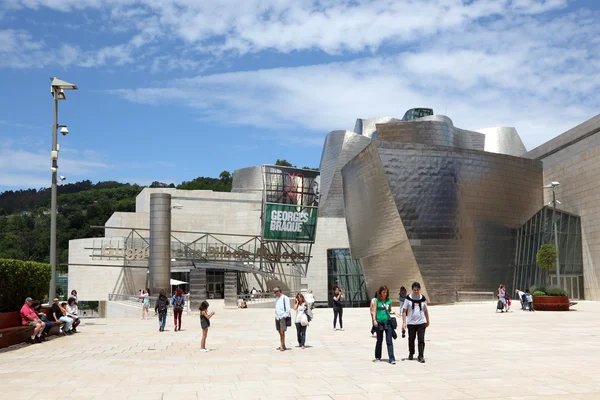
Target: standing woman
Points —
{"points": [[381, 320], [502, 296], [301, 307], [338, 308], [146, 304], [178, 303], [162, 305], [205, 317]]}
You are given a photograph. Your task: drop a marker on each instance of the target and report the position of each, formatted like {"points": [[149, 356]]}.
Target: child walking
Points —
{"points": [[205, 317]]}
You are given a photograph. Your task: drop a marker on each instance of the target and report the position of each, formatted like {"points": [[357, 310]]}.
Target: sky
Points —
{"points": [[170, 90]]}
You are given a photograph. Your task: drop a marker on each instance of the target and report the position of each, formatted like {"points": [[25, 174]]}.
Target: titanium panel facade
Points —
{"points": [[367, 127], [248, 180], [436, 130], [376, 233], [573, 159], [456, 212], [503, 140], [339, 148]]}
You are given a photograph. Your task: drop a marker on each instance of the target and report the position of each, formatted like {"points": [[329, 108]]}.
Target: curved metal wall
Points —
{"points": [[247, 180], [436, 130], [339, 148], [367, 126], [503, 140], [459, 209], [375, 230]]}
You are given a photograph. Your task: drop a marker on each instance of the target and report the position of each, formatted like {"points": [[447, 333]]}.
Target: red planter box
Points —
{"points": [[551, 303]]}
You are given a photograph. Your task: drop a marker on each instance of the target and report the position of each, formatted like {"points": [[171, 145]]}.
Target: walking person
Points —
{"points": [[338, 307], [146, 304], [161, 307], [282, 316], [402, 295], [302, 319], [178, 303], [415, 316], [382, 321], [310, 299], [205, 317]]}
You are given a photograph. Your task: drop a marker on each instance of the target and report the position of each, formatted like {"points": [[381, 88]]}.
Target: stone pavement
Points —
{"points": [[471, 353]]}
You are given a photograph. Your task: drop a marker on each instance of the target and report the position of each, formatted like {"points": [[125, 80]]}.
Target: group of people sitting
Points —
{"points": [[66, 312]]}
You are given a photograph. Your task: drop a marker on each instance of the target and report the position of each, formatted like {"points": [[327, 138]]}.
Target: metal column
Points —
{"points": [[160, 242]]}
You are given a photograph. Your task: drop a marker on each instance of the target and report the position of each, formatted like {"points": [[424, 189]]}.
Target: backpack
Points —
{"points": [[179, 303]]}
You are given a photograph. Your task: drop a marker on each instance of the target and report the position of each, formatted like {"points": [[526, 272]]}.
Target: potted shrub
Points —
{"points": [[550, 299]]}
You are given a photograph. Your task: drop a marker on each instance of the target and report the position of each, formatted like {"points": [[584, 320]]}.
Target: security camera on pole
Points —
{"points": [[57, 88]]}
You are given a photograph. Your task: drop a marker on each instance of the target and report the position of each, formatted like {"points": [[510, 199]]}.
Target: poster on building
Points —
{"points": [[289, 222]]}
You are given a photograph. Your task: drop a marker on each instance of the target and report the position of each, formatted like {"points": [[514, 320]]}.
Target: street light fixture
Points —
{"points": [[57, 89], [553, 186]]}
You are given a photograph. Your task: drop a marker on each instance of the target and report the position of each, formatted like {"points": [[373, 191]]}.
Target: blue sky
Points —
{"points": [[175, 89]]}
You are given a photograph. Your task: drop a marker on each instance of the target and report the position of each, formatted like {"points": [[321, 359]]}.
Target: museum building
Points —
{"points": [[395, 201]]}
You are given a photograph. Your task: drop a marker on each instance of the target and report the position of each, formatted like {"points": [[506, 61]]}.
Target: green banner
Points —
{"points": [[290, 222]]}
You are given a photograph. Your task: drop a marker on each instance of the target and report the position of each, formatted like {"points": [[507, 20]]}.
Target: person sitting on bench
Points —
{"points": [[72, 313], [30, 318], [58, 315], [36, 305]]}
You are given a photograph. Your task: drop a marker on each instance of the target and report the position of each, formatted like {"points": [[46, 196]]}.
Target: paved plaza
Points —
{"points": [[471, 353]]}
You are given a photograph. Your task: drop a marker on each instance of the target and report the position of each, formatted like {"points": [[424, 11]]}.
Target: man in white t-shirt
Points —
{"points": [[416, 317]]}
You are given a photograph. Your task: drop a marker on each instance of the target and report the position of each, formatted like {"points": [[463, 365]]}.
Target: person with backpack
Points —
{"points": [[415, 317], [178, 303], [162, 305]]}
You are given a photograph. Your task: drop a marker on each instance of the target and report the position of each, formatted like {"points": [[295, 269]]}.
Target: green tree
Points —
{"points": [[284, 163], [546, 258], [225, 176]]}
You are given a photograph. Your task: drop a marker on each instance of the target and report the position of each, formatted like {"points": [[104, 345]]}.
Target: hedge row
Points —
{"points": [[22, 279]]}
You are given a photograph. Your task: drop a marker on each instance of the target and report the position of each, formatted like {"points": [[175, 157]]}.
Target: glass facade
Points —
{"points": [[346, 273], [538, 231], [415, 113]]}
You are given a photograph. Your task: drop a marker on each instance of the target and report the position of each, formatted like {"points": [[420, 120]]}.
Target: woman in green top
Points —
{"points": [[381, 314]]}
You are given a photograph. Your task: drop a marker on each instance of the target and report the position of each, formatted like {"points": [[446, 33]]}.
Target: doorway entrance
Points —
{"points": [[215, 283]]}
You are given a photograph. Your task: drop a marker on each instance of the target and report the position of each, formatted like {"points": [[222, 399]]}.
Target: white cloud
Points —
{"points": [[511, 72], [231, 26], [488, 62]]}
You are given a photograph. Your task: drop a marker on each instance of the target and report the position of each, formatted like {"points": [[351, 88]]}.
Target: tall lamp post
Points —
{"points": [[57, 88], [553, 186]]}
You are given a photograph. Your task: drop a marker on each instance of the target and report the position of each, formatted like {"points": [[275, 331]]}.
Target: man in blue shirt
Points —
{"points": [[282, 315]]}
